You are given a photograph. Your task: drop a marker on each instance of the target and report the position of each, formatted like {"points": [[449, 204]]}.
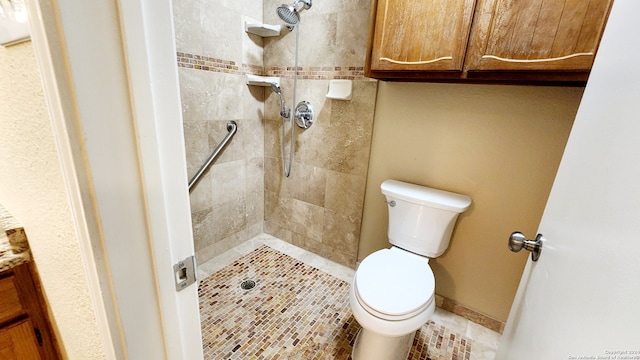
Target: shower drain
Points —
{"points": [[248, 284]]}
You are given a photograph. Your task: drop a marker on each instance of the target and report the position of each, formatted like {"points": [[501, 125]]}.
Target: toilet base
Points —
{"points": [[372, 346]]}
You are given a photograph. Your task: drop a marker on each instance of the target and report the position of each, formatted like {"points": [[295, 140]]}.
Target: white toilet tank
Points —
{"points": [[421, 219]]}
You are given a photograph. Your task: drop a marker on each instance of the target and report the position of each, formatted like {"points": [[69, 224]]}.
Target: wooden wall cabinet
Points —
{"points": [[25, 330], [414, 36], [503, 40]]}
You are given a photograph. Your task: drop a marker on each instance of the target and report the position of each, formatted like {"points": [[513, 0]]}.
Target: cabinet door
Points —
{"points": [[17, 342], [547, 35], [10, 304], [411, 35]]}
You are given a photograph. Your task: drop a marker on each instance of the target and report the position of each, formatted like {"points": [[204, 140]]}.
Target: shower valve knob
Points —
{"points": [[304, 114]]}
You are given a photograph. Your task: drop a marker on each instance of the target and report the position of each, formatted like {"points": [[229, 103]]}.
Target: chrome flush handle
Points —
{"points": [[517, 241]]}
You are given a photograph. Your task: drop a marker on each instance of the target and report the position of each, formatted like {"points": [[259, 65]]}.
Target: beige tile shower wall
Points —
{"points": [[227, 205], [215, 28], [501, 145], [332, 33], [319, 207]]}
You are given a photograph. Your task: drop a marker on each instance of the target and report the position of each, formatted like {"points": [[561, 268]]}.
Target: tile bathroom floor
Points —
{"points": [[299, 309]]}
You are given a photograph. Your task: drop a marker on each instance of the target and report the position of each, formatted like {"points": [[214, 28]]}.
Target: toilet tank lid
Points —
{"points": [[427, 196]]}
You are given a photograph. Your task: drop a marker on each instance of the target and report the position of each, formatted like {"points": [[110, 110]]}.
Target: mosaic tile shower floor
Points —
{"points": [[295, 311]]}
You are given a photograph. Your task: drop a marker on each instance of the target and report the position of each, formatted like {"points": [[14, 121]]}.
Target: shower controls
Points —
{"points": [[304, 114]]}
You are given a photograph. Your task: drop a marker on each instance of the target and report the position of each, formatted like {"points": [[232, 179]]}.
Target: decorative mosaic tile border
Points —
{"points": [[206, 63], [295, 311], [319, 72]]}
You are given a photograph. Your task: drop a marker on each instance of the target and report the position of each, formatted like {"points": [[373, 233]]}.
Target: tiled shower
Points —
{"points": [[319, 207]]}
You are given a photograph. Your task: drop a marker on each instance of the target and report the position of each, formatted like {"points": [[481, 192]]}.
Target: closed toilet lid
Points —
{"points": [[393, 283]]}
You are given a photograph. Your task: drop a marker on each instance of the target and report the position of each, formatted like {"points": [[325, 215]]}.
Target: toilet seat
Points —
{"points": [[394, 285]]}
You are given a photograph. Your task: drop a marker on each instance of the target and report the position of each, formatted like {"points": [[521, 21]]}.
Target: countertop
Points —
{"points": [[14, 248]]}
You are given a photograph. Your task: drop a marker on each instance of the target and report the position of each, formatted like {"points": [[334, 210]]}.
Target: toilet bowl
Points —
{"points": [[391, 317], [392, 292]]}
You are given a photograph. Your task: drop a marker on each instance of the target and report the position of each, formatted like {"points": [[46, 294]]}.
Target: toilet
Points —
{"points": [[392, 292]]}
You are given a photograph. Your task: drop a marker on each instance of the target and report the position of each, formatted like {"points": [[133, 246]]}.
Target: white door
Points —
{"points": [[111, 83], [581, 299]]}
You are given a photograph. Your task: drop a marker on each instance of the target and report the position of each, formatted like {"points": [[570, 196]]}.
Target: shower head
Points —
{"points": [[289, 13], [284, 112]]}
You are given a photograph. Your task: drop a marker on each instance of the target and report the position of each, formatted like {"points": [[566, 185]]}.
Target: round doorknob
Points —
{"points": [[517, 241]]}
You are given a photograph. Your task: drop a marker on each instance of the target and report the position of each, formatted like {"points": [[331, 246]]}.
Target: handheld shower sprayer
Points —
{"points": [[284, 112], [289, 12], [303, 114]]}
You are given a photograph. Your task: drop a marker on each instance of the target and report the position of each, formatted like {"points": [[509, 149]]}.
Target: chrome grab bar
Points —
{"points": [[232, 127]]}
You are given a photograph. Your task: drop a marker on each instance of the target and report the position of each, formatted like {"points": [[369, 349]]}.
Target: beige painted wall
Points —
{"points": [[499, 144], [32, 189]]}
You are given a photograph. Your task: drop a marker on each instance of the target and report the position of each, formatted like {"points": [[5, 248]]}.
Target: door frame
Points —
{"points": [[111, 85]]}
